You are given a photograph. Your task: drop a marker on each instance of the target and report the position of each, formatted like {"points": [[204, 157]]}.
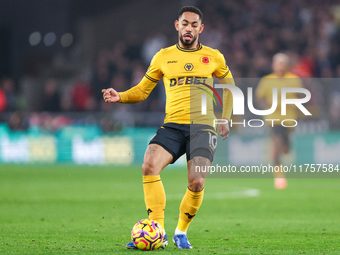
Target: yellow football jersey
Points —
{"points": [[265, 91], [187, 74]]}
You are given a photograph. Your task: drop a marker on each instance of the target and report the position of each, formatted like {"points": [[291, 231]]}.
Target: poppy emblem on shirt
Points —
{"points": [[205, 60]]}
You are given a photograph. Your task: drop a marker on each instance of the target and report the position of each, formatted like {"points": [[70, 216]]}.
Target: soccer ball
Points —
{"points": [[147, 235]]}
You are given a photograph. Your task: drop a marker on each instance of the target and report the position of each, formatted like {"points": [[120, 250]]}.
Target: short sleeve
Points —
{"points": [[260, 90], [299, 83], [222, 70]]}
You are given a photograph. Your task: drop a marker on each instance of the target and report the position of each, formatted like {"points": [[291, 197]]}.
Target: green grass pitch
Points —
{"points": [[90, 210]]}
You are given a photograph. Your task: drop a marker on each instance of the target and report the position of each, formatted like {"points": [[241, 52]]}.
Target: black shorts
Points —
{"points": [[282, 132], [192, 139]]}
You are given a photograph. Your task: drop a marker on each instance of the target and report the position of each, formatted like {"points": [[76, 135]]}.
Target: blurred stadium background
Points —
{"points": [[56, 56], [55, 129]]}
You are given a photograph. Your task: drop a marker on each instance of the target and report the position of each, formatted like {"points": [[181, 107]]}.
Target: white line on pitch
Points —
{"points": [[237, 193]]}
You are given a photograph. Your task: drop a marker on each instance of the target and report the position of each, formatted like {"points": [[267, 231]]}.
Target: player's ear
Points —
{"points": [[201, 28], [177, 25]]}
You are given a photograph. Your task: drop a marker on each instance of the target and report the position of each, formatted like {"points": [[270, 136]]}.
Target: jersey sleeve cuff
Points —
{"points": [[226, 116], [123, 97]]}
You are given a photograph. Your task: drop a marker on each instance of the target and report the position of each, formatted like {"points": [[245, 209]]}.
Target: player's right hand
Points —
{"points": [[110, 95]]}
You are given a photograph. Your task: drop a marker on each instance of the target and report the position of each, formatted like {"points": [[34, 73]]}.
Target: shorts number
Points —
{"points": [[212, 140]]}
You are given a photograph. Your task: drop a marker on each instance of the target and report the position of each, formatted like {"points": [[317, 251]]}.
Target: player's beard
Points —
{"points": [[188, 43]]}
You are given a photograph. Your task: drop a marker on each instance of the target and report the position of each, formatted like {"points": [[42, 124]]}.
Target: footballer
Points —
{"points": [[183, 67], [281, 77]]}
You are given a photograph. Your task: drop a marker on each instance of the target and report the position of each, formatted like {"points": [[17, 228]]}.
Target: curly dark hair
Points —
{"points": [[190, 9]]}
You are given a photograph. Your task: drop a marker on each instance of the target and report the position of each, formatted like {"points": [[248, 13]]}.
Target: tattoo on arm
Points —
{"points": [[151, 149]]}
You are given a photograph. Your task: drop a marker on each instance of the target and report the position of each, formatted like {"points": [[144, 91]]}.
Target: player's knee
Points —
{"points": [[196, 184], [149, 167]]}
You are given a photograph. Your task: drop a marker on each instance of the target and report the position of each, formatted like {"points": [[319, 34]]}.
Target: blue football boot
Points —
{"points": [[182, 242], [131, 245]]}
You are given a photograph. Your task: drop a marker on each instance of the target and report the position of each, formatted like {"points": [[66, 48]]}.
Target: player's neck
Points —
{"points": [[195, 45], [280, 74]]}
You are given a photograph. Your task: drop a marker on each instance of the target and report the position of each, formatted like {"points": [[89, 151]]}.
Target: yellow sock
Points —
{"points": [[154, 197], [280, 173], [190, 204]]}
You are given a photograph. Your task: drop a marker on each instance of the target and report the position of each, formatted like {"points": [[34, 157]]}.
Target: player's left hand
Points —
{"points": [[224, 130]]}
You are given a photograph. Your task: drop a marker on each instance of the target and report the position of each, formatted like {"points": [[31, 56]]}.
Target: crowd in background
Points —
{"points": [[248, 33]]}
